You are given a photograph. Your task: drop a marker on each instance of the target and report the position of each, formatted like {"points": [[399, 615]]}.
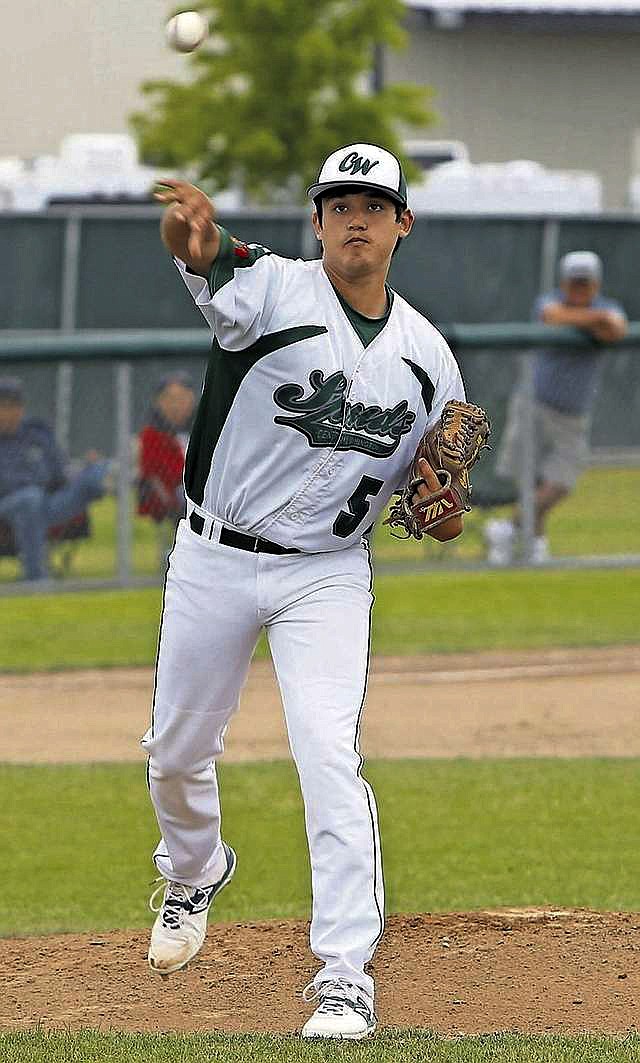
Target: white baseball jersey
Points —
{"points": [[304, 429]]}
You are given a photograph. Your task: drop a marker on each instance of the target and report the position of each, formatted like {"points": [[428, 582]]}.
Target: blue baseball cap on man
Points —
{"points": [[366, 167]]}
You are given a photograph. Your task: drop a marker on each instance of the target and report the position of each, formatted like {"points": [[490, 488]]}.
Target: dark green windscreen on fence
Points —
{"points": [[31, 253], [129, 281], [470, 269], [463, 269]]}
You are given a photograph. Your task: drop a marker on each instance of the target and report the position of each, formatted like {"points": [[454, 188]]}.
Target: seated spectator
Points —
{"points": [[162, 446], [35, 493], [565, 383]]}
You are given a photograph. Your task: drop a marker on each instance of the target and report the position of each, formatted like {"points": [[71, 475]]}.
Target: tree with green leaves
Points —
{"points": [[277, 86]]}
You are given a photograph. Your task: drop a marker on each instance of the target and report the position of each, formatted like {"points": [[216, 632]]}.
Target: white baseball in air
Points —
{"points": [[186, 31]]}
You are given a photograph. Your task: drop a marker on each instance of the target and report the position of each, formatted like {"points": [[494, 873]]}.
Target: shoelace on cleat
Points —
{"points": [[177, 900], [332, 1006], [362, 1008], [171, 915], [335, 995]]}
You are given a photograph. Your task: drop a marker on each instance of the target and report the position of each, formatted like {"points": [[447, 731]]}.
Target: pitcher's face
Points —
{"points": [[359, 231]]}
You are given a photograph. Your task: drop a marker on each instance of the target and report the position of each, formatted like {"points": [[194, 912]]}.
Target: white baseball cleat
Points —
{"points": [[500, 537], [345, 1011], [540, 552], [181, 925]]}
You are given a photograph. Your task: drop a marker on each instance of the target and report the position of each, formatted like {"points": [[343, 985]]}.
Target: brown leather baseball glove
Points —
{"points": [[452, 447]]}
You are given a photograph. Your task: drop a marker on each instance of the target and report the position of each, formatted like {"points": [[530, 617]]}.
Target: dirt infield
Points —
{"points": [[547, 703], [532, 971]]}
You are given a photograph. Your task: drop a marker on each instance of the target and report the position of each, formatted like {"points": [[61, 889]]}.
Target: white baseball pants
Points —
{"points": [[316, 612]]}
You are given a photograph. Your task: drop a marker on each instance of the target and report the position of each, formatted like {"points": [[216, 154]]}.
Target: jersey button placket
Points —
{"points": [[348, 395]]}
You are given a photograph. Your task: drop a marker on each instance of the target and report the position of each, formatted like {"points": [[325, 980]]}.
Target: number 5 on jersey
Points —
{"points": [[358, 506]]}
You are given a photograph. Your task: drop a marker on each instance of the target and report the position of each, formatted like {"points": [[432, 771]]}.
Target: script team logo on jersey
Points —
{"points": [[355, 164], [328, 420]]}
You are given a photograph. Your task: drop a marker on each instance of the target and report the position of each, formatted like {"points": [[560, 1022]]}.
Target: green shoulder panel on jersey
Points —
{"points": [[225, 373], [233, 254]]}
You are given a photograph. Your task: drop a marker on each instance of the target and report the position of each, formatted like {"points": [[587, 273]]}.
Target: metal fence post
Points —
{"points": [[528, 468], [548, 255], [68, 305], [123, 382]]}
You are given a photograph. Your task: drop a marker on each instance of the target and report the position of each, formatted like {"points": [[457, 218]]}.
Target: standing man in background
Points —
{"points": [[565, 382], [321, 383]]}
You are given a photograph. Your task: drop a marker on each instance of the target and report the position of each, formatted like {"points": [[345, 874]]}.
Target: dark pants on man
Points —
{"points": [[31, 511]]}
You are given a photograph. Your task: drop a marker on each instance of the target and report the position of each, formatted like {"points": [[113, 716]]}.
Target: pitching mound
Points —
{"points": [[527, 970]]}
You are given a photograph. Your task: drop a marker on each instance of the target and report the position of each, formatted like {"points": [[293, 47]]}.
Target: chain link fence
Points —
{"points": [[125, 411]]}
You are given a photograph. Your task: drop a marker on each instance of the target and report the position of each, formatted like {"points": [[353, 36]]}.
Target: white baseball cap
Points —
{"points": [[363, 166], [581, 265]]}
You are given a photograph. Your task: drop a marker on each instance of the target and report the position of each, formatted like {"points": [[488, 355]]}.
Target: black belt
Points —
{"points": [[229, 537]]}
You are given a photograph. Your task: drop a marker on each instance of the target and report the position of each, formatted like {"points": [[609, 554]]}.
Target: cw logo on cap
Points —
{"points": [[354, 163], [363, 166]]}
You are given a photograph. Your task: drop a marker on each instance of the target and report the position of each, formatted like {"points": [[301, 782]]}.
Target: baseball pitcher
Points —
{"points": [[321, 386]]}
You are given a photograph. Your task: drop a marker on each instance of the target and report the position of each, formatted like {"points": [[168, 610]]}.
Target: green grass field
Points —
{"points": [[591, 521], [505, 832], [387, 1047], [426, 612]]}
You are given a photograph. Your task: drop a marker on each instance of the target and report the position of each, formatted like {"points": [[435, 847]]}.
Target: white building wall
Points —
{"points": [[71, 66], [566, 100]]}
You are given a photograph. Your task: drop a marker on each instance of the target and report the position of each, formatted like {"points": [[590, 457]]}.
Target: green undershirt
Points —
{"points": [[366, 327]]}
